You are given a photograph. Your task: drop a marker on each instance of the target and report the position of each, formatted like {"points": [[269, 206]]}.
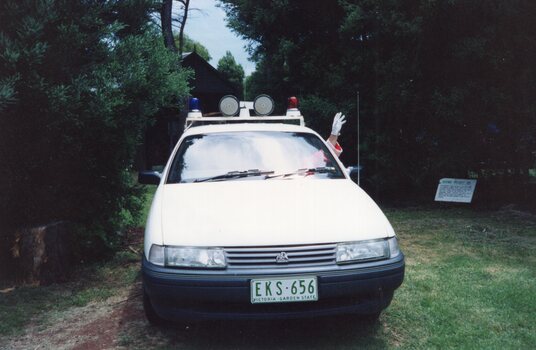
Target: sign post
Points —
{"points": [[455, 190]]}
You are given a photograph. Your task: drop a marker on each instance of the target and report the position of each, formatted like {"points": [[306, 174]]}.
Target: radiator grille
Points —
{"points": [[266, 257]]}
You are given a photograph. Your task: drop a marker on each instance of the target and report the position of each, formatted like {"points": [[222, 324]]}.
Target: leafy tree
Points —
{"points": [[80, 80], [232, 71], [190, 45], [444, 85]]}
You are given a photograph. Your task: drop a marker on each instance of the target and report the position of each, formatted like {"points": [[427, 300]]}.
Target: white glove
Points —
{"points": [[338, 122]]}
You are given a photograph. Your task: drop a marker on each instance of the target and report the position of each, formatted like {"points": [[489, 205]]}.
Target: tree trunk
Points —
{"points": [[186, 4], [166, 21]]}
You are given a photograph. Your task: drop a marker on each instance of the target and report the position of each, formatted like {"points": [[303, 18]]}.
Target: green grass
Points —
{"points": [[95, 283], [470, 284], [470, 280]]}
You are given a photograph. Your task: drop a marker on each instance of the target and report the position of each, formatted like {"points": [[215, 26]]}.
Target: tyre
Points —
{"points": [[371, 318], [150, 314]]}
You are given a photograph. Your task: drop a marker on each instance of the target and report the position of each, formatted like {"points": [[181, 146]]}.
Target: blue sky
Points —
{"points": [[208, 27]]}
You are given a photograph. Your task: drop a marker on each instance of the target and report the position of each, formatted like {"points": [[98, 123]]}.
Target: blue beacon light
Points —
{"points": [[194, 104], [193, 108]]}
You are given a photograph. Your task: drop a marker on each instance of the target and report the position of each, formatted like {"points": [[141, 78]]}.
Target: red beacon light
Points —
{"points": [[292, 109], [292, 103]]}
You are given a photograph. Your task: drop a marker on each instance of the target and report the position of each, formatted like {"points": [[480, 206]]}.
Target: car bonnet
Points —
{"points": [[269, 212]]}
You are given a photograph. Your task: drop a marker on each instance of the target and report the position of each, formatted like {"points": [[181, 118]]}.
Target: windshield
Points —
{"points": [[252, 155]]}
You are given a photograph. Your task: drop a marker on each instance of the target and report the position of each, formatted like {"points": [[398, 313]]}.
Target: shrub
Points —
{"points": [[79, 83]]}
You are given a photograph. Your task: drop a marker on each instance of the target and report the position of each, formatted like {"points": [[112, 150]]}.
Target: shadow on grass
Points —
{"points": [[317, 333], [321, 333]]}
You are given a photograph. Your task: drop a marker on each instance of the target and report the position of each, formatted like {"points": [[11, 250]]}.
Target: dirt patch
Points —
{"points": [[94, 326], [104, 332]]}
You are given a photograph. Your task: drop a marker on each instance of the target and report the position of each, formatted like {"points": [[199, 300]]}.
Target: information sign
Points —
{"points": [[455, 190]]}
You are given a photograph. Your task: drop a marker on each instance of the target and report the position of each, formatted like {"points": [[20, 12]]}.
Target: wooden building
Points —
{"points": [[209, 86]]}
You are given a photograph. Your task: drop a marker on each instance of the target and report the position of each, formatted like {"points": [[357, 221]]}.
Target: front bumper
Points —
{"points": [[365, 288]]}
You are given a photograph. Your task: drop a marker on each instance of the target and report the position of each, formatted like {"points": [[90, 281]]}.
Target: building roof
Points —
{"points": [[207, 79]]}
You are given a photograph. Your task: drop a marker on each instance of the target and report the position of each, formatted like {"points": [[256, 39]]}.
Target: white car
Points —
{"points": [[256, 220]]}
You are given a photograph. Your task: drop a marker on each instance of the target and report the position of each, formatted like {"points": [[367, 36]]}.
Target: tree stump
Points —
{"points": [[42, 254], [6, 261]]}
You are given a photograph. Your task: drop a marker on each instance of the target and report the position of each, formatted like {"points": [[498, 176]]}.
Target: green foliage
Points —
{"points": [[190, 45], [232, 71], [311, 105], [445, 86], [80, 81]]}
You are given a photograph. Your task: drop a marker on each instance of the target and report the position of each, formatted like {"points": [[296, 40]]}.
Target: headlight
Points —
{"points": [[187, 257], [366, 250], [195, 257]]}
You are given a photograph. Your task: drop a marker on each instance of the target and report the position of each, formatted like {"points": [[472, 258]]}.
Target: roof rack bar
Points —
{"points": [[191, 120]]}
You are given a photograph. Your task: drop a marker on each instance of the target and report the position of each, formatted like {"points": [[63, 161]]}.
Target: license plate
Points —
{"points": [[284, 290]]}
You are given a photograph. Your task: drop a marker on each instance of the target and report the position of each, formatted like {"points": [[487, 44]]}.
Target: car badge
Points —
{"points": [[282, 258]]}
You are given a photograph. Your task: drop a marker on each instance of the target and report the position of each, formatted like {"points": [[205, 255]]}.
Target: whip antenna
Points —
{"points": [[358, 160]]}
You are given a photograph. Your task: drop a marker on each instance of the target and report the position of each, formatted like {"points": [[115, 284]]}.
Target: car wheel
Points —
{"points": [[371, 318], [363, 319], [150, 314]]}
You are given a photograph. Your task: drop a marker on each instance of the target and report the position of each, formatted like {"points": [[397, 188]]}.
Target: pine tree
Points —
{"points": [[233, 72]]}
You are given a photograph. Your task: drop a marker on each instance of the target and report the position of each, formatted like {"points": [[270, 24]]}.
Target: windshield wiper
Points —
{"points": [[236, 174], [306, 171]]}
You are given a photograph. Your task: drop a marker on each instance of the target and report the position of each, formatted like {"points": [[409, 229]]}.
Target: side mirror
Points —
{"points": [[355, 172], [149, 177]]}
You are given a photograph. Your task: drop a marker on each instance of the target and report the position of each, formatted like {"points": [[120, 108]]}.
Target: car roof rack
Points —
{"points": [[230, 107], [191, 121]]}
